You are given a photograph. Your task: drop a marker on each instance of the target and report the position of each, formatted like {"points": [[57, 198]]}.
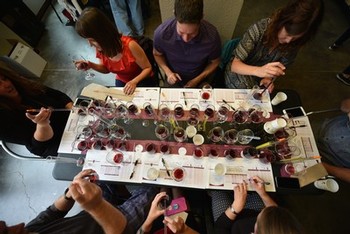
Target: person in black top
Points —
{"points": [[39, 131], [238, 219]]}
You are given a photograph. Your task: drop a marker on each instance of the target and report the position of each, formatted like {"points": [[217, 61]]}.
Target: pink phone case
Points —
{"points": [[177, 205]]}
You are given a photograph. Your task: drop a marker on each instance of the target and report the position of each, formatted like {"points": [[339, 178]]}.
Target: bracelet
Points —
{"points": [[233, 210], [65, 195]]}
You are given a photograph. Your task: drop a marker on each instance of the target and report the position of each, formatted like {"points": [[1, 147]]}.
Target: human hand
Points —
{"points": [[42, 118], [271, 70], [240, 196], [191, 84], [345, 105], [258, 185], [81, 65], [173, 78], [84, 174], [154, 211], [266, 83], [88, 195], [130, 87], [176, 225]]}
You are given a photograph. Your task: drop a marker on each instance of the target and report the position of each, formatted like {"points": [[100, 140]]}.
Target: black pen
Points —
{"points": [[133, 170], [166, 167], [223, 100], [184, 96]]}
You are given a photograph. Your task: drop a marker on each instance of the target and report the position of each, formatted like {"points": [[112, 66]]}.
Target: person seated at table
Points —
{"points": [[187, 48], [155, 224], [271, 44], [235, 213], [98, 214], [39, 131], [118, 54], [333, 143]]}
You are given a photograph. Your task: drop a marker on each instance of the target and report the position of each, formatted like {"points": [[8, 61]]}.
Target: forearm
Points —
{"points": [[43, 132], [243, 69], [109, 218], [210, 68], [98, 67], [146, 226], [339, 172], [162, 64], [268, 201]]}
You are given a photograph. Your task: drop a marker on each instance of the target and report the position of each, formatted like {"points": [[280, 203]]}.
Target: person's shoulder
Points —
{"points": [[169, 24]]}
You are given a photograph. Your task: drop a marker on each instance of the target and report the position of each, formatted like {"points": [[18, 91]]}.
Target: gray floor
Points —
{"points": [[27, 187]]}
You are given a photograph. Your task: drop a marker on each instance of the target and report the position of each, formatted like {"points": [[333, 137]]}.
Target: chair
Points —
{"points": [[18, 151]]}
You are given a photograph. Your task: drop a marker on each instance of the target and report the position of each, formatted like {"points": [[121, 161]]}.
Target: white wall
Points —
{"points": [[223, 14]]}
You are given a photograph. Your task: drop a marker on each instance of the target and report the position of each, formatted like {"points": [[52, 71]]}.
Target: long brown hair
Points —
{"points": [[298, 17], [277, 220], [92, 23], [24, 87]]}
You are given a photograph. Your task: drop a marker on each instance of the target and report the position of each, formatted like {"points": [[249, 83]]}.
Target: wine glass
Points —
{"points": [[164, 112], [222, 113], [178, 110], [149, 110], [206, 92], [216, 134], [78, 58]]}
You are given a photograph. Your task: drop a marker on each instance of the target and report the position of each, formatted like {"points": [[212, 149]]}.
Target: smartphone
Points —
{"points": [[294, 112], [177, 205], [287, 182]]}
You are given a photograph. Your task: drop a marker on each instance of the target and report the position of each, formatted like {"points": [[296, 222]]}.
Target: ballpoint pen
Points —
{"points": [[166, 167], [133, 169], [184, 96], [223, 100], [259, 182]]}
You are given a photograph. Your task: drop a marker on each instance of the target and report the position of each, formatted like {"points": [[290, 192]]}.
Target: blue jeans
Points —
{"points": [[128, 26]]}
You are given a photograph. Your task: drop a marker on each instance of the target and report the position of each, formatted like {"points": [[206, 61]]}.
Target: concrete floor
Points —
{"points": [[27, 187]]}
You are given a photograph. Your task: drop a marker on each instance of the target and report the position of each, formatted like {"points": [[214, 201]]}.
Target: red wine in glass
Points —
{"points": [[213, 152], [257, 96], [118, 157], [150, 148], [133, 109], [250, 152], [194, 111], [178, 174], [209, 112], [205, 95], [230, 153], [149, 110], [179, 112], [198, 152], [164, 149]]}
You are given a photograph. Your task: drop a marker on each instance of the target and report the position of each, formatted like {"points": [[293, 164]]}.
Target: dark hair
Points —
{"points": [[24, 87], [92, 23], [188, 11], [299, 17], [277, 220]]}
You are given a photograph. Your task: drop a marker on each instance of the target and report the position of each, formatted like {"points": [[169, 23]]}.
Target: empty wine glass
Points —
{"points": [[162, 132], [164, 112], [222, 113], [83, 64]]}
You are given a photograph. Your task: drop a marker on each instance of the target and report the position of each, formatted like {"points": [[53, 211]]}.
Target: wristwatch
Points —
{"points": [[233, 210], [65, 195]]}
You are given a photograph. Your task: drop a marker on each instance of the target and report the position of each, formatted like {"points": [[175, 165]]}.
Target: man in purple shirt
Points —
{"points": [[187, 48]]}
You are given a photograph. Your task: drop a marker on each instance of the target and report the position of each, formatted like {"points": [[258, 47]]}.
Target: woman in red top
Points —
{"points": [[116, 53]]}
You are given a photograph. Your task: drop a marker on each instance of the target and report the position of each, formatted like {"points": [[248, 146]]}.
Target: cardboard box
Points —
{"points": [[28, 59]]}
